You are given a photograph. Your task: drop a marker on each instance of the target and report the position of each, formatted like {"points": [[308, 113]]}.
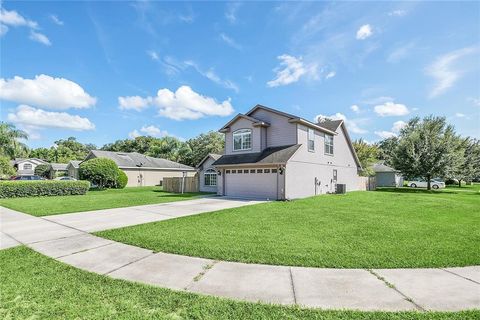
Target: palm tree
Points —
{"points": [[10, 145]]}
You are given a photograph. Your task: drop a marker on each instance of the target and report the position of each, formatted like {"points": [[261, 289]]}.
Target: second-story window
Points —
{"points": [[328, 144], [311, 140], [242, 139]]}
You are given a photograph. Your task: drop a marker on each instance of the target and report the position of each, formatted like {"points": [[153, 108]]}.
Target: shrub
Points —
{"points": [[102, 172], [16, 189], [122, 180], [6, 169], [43, 170]]}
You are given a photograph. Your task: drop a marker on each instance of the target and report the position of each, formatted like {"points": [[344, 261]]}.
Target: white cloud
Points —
{"points": [[134, 134], [3, 29], [56, 20], [187, 104], [228, 40], [231, 11], [400, 52], [460, 115], [38, 118], [331, 74], [134, 103], [39, 37], [355, 108], [385, 134], [212, 76], [391, 109], [352, 124], [151, 131], [153, 55], [291, 69], [364, 32], [397, 13], [12, 18], [45, 91], [475, 101], [443, 71], [398, 125]]}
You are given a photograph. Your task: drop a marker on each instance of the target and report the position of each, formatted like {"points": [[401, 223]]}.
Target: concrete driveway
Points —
{"points": [[98, 220]]}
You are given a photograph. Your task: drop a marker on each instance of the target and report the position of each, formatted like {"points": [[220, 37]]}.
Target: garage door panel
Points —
{"points": [[251, 185]]}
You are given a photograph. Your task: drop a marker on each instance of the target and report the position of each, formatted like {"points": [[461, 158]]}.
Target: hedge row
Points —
{"points": [[16, 189]]}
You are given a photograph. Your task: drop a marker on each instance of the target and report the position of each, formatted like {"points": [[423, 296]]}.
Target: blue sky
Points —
{"points": [[102, 71]]}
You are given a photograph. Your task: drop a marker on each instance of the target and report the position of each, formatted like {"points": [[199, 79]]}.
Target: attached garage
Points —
{"points": [[252, 183]]}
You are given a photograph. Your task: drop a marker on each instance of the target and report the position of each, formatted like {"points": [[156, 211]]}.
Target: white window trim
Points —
{"points": [[209, 172], [309, 130], [241, 144], [332, 145]]}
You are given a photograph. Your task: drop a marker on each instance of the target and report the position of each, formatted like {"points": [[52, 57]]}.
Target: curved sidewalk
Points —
{"points": [[66, 238]]}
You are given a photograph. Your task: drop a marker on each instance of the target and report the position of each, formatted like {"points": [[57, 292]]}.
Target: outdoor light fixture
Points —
{"points": [[280, 170], [219, 172]]}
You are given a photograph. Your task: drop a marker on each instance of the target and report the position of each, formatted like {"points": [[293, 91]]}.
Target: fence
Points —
{"points": [[174, 184], [367, 183]]}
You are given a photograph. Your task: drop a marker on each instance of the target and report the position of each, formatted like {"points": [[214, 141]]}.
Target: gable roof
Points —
{"points": [[214, 156], [59, 166], [382, 167], [138, 160], [331, 125], [74, 163], [271, 155], [34, 160], [256, 122]]}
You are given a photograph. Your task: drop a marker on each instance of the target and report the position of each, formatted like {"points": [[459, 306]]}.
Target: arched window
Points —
{"points": [[210, 178], [242, 139]]}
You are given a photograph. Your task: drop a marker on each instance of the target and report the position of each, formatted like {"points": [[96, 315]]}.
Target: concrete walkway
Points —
{"points": [[66, 238]]}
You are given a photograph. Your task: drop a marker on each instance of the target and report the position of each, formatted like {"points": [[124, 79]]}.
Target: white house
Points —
{"points": [[271, 154], [26, 167]]}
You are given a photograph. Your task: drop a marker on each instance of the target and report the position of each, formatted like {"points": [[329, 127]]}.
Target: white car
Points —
{"points": [[66, 178], [422, 183]]}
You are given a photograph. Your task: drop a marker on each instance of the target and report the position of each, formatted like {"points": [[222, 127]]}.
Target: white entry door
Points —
{"points": [[251, 183]]}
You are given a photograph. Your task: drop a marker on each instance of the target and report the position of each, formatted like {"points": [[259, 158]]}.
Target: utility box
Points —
{"points": [[341, 188]]}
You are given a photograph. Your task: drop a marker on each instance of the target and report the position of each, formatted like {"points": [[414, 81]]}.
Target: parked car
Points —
{"points": [[65, 178], [422, 183], [26, 178]]}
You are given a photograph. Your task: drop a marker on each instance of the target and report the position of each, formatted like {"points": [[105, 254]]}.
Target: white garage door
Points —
{"points": [[251, 183]]}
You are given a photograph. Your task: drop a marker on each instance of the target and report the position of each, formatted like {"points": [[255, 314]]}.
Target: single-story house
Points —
{"points": [[26, 167], [207, 173], [57, 170], [143, 170], [72, 168], [386, 176], [271, 154]]}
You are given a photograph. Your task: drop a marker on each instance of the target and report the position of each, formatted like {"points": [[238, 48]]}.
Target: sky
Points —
{"points": [[103, 71]]}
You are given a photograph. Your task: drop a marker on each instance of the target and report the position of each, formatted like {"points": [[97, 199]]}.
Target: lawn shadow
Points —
{"points": [[413, 190]]}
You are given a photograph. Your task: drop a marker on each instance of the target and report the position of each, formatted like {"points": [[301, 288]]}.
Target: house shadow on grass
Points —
{"points": [[414, 190]]}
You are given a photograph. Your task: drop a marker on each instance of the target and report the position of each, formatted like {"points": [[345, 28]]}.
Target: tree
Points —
{"points": [[43, 170], [100, 171], [10, 145], [427, 148], [469, 167], [367, 154], [63, 151], [386, 150], [6, 168], [205, 143]]}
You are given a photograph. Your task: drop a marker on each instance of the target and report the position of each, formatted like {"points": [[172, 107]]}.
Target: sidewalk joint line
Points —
{"points": [[127, 264], [84, 250], [458, 275], [392, 286], [293, 286]]}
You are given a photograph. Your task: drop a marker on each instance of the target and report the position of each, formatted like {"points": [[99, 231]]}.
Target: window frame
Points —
{"points": [[210, 175], [242, 133], [27, 166], [311, 139], [329, 145]]}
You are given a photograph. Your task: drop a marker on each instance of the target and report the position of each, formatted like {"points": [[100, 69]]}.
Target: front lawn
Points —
{"points": [[93, 200], [33, 286], [388, 228]]}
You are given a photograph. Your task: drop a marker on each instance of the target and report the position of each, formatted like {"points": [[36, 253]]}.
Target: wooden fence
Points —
{"points": [[367, 183], [174, 184]]}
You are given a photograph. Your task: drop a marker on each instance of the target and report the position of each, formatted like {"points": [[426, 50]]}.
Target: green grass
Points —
{"points": [[93, 200], [33, 286], [388, 228]]}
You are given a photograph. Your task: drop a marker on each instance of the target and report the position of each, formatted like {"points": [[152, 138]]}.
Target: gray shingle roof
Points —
{"points": [[135, 159], [331, 125], [75, 163], [381, 167], [59, 166], [279, 154]]}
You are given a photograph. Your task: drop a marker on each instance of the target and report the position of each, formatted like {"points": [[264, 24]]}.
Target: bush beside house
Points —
{"points": [[122, 180], [101, 172], [42, 170], [17, 189]]}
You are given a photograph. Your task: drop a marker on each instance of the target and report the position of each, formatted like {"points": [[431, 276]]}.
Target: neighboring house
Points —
{"points": [[143, 170], [208, 173], [386, 176], [58, 170], [26, 167], [275, 155], [72, 168]]}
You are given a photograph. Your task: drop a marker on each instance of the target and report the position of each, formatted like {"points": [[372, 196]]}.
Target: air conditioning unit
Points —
{"points": [[341, 188]]}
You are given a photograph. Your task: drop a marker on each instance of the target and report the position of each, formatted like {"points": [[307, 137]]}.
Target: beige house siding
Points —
{"points": [[281, 132], [243, 123], [207, 164], [150, 177]]}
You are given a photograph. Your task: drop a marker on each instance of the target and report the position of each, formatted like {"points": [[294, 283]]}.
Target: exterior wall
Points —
{"points": [[385, 179], [243, 124], [143, 177], [73, 172], [205, 166], [26, 172], [281, 132], [311, 173]]}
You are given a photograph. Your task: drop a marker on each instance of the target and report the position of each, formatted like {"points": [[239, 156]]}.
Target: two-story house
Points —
{"points": [[274, 155]]}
